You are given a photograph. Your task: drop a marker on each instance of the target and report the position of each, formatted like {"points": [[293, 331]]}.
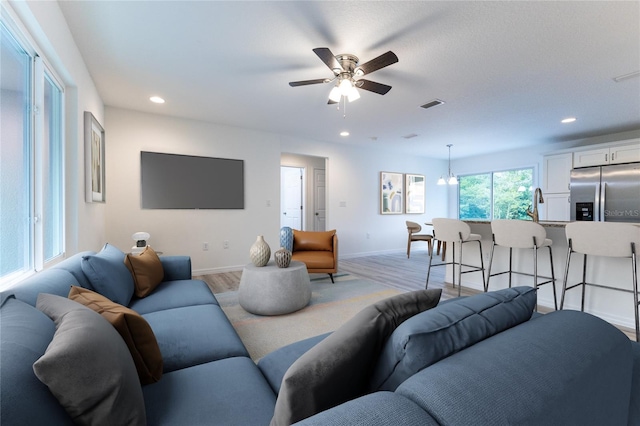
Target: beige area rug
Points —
{"points": [[331, 306]]}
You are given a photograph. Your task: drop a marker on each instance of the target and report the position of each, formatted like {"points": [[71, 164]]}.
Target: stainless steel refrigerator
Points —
{"points": [[606, 193]]}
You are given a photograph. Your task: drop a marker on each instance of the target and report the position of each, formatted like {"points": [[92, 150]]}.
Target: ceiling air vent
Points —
{"points": [[432, 103]]}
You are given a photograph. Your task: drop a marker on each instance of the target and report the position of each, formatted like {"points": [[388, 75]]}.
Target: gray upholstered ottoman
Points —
{"points": [[269, 290]]}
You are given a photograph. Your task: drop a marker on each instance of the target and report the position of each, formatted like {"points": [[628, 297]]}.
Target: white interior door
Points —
{"points": [[319, 201], [291, 201]]}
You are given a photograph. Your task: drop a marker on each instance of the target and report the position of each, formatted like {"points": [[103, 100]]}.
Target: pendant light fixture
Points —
{"points": [[451, 178]]}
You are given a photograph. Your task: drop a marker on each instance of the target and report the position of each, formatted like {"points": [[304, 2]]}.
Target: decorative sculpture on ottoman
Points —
{"points": [[282, 257], [260, 252]]}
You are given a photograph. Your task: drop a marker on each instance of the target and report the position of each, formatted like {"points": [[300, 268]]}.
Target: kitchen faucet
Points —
{"points": [[537, 198]]}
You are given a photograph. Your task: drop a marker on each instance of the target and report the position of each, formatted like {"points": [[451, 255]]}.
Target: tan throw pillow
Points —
{"points": [[134, 329], [146, 269]]}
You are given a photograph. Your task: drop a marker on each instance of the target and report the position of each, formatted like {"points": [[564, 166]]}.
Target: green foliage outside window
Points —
{"points": [[496, 195]]}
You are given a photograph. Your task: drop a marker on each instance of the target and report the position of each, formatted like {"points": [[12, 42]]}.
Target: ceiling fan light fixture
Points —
{"points": [[345, 87], [353, 94], [335, 94], [441, 181]]}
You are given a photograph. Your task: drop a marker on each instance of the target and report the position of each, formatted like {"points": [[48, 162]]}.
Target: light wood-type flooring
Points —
{"points": [[392, 269]]}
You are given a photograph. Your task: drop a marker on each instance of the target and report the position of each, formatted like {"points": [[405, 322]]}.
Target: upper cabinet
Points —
{"points": [[626, 153], [556, 174]]}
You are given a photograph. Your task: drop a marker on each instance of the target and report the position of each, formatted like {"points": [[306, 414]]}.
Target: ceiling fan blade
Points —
{"points": [[328, 58], [331, 102], [307, 82], [372, 86], [375, 64]]}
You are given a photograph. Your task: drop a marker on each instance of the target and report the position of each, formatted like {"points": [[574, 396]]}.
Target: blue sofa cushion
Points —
{"points": [[437, 333], [276, 364], [337, 369], [194, 335], [108, 274], [226, 392], [376, 409], [174, 294], [53, 281], [564, 368], [25, 333], [88, 367]]}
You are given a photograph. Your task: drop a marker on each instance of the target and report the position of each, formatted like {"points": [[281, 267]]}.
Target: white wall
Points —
{"points": [[44, 22], [352, 179]]}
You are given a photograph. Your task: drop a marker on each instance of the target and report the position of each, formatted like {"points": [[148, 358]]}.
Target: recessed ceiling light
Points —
{"points": [[568, 120], [345, 133], [156, 100]]}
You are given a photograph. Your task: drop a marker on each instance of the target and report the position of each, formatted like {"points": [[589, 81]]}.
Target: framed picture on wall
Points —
{"points": [[414, 198], [391, 193], [94, 160]]}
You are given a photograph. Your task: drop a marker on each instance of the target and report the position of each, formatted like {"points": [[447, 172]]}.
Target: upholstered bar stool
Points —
{"points": [[413, 229], [603, 239], [452, 232], [521, 234]]}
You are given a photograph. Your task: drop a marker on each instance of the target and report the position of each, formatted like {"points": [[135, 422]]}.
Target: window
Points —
{"points": [[31, 160], [495, 195]]}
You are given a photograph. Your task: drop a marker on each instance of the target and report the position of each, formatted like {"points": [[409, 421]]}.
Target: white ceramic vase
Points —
{"points": [[260, 252]]}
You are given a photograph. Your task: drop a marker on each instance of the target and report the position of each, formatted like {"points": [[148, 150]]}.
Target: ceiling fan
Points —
{"points": [[347, 72]]}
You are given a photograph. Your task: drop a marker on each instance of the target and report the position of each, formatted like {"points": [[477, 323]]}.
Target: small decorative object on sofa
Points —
{"points": [[260, 252], [282, 257]]}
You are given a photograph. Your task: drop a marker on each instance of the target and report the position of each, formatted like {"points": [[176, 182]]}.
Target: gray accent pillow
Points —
{"points": [[88, 367], [338, 368], [451, 327], [108, 274]]}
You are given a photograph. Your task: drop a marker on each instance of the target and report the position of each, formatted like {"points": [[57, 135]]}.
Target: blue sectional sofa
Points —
{"points": [[479, 360]]}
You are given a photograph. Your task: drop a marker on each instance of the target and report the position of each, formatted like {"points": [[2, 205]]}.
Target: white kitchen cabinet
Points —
{"points": [[556, 173], [626, 153], [556, 207]]}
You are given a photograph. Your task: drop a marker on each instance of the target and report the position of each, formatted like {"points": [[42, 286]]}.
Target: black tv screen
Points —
{"points": [[173, 181]]}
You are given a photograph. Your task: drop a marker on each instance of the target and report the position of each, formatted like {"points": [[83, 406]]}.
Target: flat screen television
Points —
{"points": [[173, 181]]}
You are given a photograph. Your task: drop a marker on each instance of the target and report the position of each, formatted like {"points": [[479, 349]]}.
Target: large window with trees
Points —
{"points": [[495, 195], [31, 158]]}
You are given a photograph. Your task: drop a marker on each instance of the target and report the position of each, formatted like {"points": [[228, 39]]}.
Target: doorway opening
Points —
{"points": [[303, 192]]}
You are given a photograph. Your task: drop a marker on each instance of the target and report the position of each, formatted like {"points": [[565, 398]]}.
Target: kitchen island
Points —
{"points": [[613, 306]]}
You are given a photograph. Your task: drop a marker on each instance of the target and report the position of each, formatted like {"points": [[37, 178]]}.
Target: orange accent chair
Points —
{"points": [[316, 249]]}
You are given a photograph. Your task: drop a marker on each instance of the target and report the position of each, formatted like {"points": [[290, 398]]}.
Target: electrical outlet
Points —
{"points": [[205, 246], [225, 244], [268, 203], [368, 235]]}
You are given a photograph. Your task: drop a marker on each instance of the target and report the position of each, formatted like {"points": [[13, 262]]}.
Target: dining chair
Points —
{"points": [[413, 229]]}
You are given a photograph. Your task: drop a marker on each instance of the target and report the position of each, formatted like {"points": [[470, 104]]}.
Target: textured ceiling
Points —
{"points": [[508, 71]]}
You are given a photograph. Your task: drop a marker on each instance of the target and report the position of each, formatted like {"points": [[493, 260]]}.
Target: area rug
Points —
{"points": [[331, 306]]}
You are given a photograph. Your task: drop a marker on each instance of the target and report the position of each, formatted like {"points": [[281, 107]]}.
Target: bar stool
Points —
{"points": [[455, 232], [521, 234], [603, 239]]}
